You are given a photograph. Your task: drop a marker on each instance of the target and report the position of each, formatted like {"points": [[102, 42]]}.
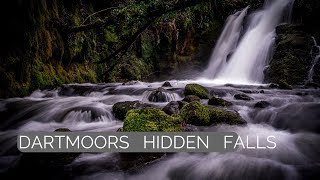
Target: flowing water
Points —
{"points": [[242, 60], [293, 118]]}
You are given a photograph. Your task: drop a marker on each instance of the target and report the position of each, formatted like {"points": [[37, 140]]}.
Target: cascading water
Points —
{"points": [[315, 60], [226, 43], [254, 49]]}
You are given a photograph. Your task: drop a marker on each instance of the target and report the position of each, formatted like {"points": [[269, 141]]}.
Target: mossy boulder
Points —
{"points": [[227, 117], [215, 101], [191, 98], [197, 90], [151, 119], [262, 104], [243, 97], [195, 113], [120, 109]]}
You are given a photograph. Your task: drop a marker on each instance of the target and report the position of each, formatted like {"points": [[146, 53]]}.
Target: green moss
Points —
{"points": [[196, 114], [197, 90], [151, 119], [215, 101], [223, 116]]}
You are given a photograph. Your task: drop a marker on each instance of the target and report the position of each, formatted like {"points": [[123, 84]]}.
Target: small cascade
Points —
{"points": [[159, 95], [316, 57]]}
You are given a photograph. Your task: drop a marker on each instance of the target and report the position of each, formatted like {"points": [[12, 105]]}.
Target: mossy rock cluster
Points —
{"points": [[216, 101], [149, 119], [197, 114], [196, 90]]}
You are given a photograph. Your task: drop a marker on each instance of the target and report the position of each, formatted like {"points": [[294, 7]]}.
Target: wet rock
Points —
{"points": [[273, 86], [120, 130], [262, 91], [62, 130], [312, 85], [166, 84], [172, 108], [262, 104], [120, 109], [130, 83], [217, 92], [284, 85], [302, 93], [197, 90], [191, 98], [243, 97], [159, 95], [215, 101], [196, 114], [151, 119]]}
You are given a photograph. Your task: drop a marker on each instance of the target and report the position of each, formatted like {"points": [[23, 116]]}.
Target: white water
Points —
{"points": [[253, 51], [314, 62]]}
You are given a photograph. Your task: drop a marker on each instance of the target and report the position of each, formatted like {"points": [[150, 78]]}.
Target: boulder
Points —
{"points": [[191, 98], [151, 119], [159, 95], [195, 113], [262, 104], [215, 101], [120, 109], [243, 97], [197, 90], [166, 84], [172, 108]]}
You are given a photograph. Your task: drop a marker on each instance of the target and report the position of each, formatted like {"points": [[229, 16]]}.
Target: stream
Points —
{"points": [[293, 118]]}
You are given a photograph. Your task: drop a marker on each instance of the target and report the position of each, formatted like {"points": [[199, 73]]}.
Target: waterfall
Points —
{"points": [[226, 43], [241, 60], [315, 60]]}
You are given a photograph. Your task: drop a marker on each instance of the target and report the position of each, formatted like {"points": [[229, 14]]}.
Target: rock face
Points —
{"points": [[243, 97], [151, 119], [197, 90], [215, 101], [262, 104], [291, 61], [191, 98], [172, 107], [284, 85]]}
